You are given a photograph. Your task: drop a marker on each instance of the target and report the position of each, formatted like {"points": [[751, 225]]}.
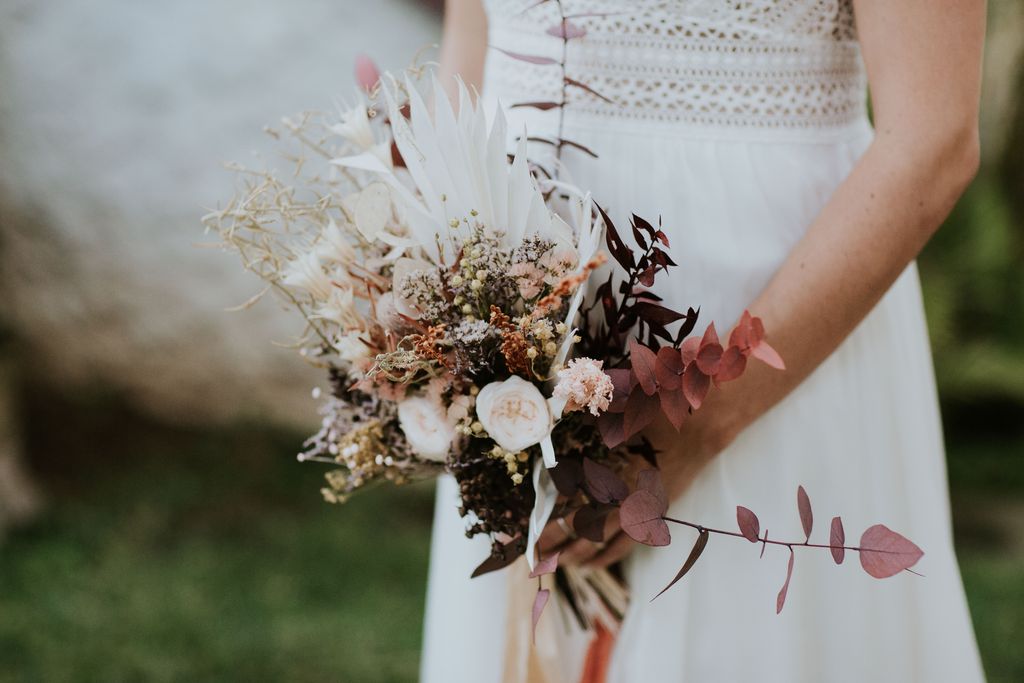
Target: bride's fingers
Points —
{"points": [[582, 551], [557, 533], [616, 549], [578, 552]]}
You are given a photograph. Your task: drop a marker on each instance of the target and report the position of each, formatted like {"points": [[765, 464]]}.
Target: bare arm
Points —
{"points": [[923, 59], [463, 44]]}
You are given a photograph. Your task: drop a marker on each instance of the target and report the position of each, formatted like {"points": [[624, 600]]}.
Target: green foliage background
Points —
{"points": [[973, 277]]}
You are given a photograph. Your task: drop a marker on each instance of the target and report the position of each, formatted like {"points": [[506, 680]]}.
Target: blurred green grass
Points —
{"points": [[189, 555], [176, 555]]}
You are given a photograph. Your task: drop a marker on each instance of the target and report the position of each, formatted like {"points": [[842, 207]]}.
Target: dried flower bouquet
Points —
{"points": [[461, 305]]}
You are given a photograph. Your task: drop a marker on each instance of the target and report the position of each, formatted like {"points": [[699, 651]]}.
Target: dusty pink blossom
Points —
{"points": [[529, 278], [584, 385], [557, 262]]}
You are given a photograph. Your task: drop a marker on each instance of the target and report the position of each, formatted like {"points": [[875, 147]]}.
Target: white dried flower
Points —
{"points": [[355, 128], [353, 347], [514, 413], [305, 272], [583, 385], [425, 425], [335, 247], [340, 307]]}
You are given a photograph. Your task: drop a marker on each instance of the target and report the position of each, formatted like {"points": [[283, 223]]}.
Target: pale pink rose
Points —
{"points": [[426, 427], [514, 413]]}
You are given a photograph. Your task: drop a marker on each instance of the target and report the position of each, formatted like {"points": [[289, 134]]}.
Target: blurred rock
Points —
{"points": [[114, 120]]}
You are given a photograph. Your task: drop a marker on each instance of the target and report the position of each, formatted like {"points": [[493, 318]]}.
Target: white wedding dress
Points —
{"points": [[735, 121]]}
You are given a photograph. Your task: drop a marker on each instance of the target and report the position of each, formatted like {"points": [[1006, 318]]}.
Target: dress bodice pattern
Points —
{"points": [[790, 66]]}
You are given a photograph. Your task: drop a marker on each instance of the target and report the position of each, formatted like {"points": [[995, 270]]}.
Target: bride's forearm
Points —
{"points": [[463, 45], [923, 59], [874, 225]]}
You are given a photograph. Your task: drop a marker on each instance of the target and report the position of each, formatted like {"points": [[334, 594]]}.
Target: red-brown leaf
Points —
{"points": [[695, 553], [674, 405], [710, 336], [650, 480], [669, 368], [640, 412], [568, 476], [643, 361], [749, 525], [655, 312], [396, 156], [781, 600], [584, 86], [529, 7], [612, 428], [567, 30], [688, 350], [837, 539], [532, 59], [622, 381], [507, 554], [709, 358], [622, 254], [695, 385], [767, 355], [741, 334], [883, 552], [732, 365], [546, 566], [803, 504], [640, 516], [543, 106], [538, 608], [756, 330], [582, 148], [588, 522], [602, 483]]}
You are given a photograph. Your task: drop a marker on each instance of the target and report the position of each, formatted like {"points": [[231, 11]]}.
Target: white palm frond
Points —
{"points": [[459, 177]]}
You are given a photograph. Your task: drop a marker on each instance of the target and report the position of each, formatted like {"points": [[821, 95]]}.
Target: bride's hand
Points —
{"points": [[681, 457], [559, 537]]}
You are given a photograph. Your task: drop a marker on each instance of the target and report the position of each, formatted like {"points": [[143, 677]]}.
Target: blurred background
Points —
{"points": [[154, 524]]}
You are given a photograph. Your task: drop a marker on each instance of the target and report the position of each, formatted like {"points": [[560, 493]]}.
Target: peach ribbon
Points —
{"points": [[562, 651]]}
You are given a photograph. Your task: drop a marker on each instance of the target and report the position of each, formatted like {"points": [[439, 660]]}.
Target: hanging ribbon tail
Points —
{"points": [[570, 339], [543, 506], [556, 404], [548, 450]]}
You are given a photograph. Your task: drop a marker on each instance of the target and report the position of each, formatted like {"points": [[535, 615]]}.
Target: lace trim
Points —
{"points": [[765, 64]]}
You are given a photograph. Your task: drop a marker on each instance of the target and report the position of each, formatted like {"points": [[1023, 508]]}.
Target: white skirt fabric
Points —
{"points": [[862, 434]]}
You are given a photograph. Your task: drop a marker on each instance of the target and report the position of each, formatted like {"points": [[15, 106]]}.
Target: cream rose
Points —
{"points": [[514, 413], [426, 427]]}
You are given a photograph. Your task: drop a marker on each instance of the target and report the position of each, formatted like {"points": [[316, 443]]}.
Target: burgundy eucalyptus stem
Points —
{"points": [[762, 539], [564, 22]]}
